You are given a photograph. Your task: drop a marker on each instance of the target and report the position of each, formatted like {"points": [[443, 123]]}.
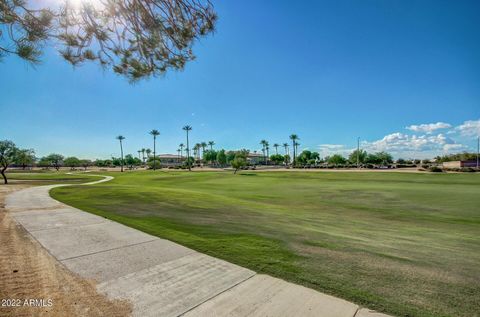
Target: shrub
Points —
{"points": [[435, 169]]}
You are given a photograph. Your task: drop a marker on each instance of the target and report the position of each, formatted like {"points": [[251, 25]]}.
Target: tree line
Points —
{"points": [[203, 153]]}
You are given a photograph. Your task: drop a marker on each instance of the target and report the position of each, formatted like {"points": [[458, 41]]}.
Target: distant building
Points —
{"points": [[255, 158], [459, 164], [171, 159]]}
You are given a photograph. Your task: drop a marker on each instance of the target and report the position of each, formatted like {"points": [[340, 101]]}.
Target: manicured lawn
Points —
{"points": [[40, 177], [404, 243]]}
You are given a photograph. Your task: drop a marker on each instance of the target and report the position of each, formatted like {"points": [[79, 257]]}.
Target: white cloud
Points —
{"points": [[329, 149], [420, 145], [331, 146], [428, 127], [469, 128], [423, 144]]}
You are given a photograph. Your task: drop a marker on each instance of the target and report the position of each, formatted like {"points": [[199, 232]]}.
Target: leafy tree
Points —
{"points": [[372, 159], [132, 161], [337, 159], [277, 158], [308, 157], [71, 162], [154, 133], [116, 161], [221, 157], [465, 156], [231, 156], [85, 163], [56, 160], [8, 152], [136, 39], [25, 157], [239, 161], [385, 158], [401, 161], [210, 156], [189, 161], [44, 163], [287, 158], [361, 155], [99, 163]]}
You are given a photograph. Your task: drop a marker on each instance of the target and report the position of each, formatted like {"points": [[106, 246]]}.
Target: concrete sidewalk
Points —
{"points": [[159, 277]]}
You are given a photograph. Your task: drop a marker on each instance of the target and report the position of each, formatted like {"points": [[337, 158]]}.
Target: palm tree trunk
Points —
{"points": [[188, 154], [121, 156], [293, 162], [154, 149]]}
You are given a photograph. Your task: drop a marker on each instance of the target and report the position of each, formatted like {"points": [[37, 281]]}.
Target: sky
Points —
{"points": [[402, 75]]}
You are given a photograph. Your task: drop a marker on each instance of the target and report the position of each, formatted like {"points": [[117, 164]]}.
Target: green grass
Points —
{"points": [[41, 177], [403, 243]]}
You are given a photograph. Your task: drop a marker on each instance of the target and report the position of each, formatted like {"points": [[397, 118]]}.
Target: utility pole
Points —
{"points": [[358, 152]]}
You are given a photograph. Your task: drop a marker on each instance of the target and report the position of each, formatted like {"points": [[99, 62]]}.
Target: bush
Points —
{"points": [[409, 165], [435, 169]]}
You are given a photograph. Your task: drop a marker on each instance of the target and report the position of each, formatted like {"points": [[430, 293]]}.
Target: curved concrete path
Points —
{"points": [[159, 277]]}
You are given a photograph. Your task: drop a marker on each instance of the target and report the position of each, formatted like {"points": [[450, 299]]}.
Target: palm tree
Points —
{"points": [[186, 129], [276, 145], [211, 143], [264, 145], [197, 150], [203, 145], [155, 133], [148, 151], [267, 147], [121, 138], [179, 151], [285, 146], [143, 155], [294, 139], [181, 145], [139, 154]]}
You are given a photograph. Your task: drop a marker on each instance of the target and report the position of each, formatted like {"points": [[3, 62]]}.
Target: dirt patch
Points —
{"points": [[29, 272]]}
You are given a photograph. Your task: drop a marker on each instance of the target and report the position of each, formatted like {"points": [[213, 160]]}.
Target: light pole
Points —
{"points": [[188, 128]]}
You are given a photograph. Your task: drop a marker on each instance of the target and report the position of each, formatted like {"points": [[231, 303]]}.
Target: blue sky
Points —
{"points": [[328, 71]]}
